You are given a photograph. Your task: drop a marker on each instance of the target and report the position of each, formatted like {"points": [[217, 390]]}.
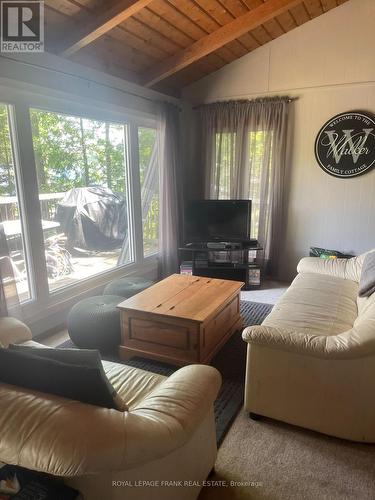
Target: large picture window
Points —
{"points": [[82, 169], [11, 214], [79, 200]]}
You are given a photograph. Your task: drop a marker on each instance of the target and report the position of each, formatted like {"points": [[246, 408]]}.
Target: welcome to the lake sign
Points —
{"points": [[345, 145]]}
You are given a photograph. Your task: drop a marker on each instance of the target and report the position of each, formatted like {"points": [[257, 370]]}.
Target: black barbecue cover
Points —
{"points": [[93, 218]]}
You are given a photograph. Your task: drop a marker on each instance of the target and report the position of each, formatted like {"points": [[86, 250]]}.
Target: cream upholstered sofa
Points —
{"points": [[167, 436], [312, 361]]}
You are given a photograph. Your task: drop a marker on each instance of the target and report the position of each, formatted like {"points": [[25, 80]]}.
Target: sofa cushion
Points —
{"points": [[318, 304], [72, 374], [367, 281], [132, 384]]}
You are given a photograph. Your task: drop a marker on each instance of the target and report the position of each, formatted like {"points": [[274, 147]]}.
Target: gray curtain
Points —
{"points": [[170, 188], [149, 188], [243, 149]]}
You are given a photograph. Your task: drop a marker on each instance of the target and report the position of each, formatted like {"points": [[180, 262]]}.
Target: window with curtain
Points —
{"points": [[77, 203], [225, 147], [243, 147], [225, 150]]}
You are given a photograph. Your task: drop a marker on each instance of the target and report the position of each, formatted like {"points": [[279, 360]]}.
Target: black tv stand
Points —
{"points": [[232, 262]]}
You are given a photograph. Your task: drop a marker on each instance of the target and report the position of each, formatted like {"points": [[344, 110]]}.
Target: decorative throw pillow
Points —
{"points": [[367, 281], [70, 373], [79, 357], [324, 253]]}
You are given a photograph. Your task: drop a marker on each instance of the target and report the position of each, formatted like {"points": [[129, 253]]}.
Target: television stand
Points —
{"points": [[235, 263]]}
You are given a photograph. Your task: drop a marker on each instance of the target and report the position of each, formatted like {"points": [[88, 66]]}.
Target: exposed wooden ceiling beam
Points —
{"points": [[87, 33], [217, 39]]}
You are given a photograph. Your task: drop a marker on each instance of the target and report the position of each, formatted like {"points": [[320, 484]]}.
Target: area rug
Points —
{"points": [[230, 361]]}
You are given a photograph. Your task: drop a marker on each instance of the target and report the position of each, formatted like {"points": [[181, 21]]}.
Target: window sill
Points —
{"points": [[53, 312]]}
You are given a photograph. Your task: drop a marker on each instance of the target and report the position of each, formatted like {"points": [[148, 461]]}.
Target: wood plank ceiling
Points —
{"points": [[168, 44]]}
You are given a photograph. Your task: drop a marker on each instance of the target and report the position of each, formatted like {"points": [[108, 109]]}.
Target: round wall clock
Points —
{"points": [[345, 145]]}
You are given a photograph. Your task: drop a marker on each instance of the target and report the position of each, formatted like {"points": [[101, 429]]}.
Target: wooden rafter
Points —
{"points": [[217, 39], [87, 33]]}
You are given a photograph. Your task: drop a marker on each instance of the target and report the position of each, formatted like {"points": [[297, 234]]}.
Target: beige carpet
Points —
{"points": [[289, 463]]}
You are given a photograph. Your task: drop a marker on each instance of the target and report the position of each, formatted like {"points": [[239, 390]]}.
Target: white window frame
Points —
{"points": [[43, 302]]}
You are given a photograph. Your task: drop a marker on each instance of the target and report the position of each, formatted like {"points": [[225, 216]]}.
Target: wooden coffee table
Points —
{"points": [[180, 320]]}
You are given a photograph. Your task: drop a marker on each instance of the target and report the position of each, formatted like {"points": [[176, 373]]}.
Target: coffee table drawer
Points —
{"points": [[173, 341], [160, 333]]}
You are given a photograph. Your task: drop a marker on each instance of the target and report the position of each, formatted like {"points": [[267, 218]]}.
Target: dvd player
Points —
{"points": [[223, 245]]}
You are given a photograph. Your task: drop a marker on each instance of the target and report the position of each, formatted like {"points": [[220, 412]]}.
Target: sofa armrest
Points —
{"points": [[346, 345], [333, 267], [67, 438], [168, 416], [13, 331], [349, 269]]}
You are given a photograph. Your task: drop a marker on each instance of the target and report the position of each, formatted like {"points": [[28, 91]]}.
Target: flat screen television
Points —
{"points": [[217, 220]]}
